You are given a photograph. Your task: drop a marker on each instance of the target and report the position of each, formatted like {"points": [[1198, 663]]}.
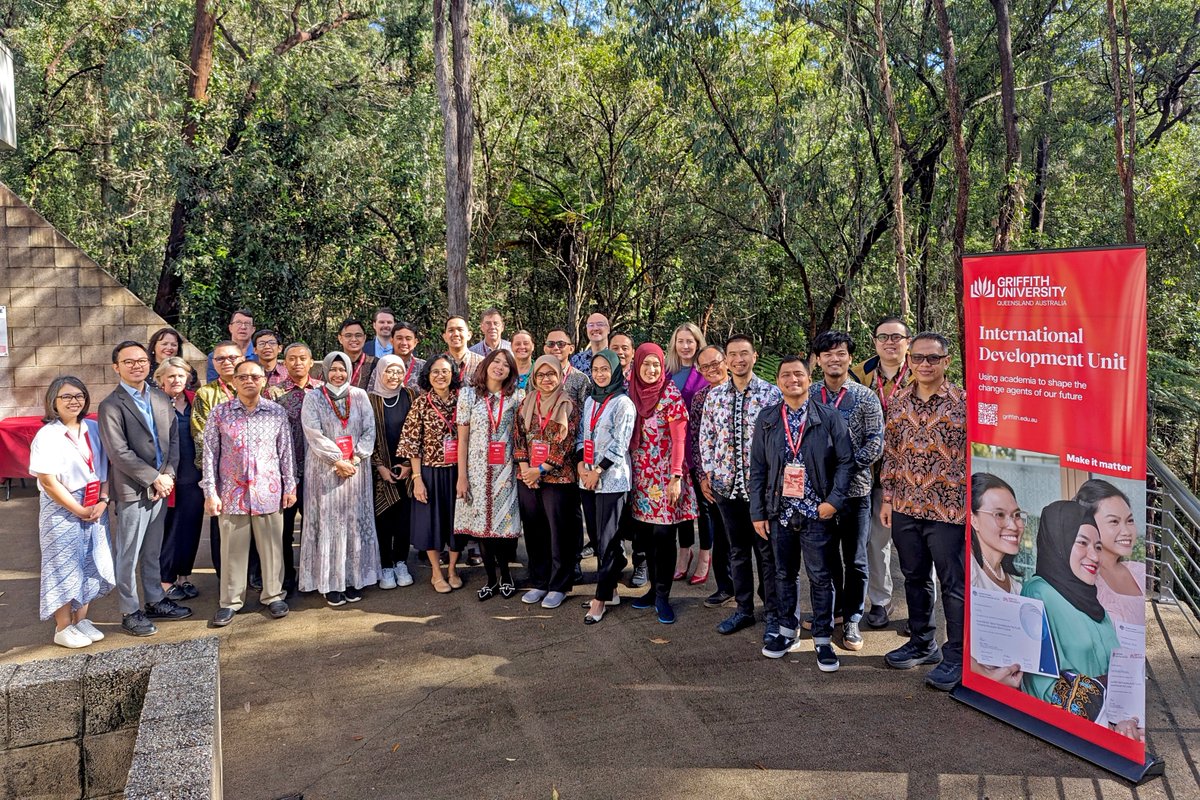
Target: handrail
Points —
{"points": [[1172, 540]]}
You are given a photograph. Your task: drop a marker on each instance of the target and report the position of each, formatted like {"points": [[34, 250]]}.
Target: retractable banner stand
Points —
{"points": [[1056, 399]]}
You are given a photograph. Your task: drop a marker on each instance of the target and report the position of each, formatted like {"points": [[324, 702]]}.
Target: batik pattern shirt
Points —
{"points": [[727, 430], [208, 397], [291, 396], [695, 415], [426, 428], [860, 409], [248, 461], [925, 454]]}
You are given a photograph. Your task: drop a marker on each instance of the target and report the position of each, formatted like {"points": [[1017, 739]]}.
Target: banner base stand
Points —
{"points": [[1131, 771]]}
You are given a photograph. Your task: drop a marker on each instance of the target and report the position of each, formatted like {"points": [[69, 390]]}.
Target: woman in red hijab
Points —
{"points": [[661, 497]]}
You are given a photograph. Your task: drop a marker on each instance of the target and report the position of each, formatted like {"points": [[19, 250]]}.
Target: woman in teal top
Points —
{"points": [[1068, 559]]}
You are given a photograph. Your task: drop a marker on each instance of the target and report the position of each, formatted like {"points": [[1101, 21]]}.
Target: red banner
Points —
{"points": [[1056, 392]]}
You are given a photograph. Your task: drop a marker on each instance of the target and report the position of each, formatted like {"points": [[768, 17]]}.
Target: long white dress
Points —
{"points": [[339, 547]]}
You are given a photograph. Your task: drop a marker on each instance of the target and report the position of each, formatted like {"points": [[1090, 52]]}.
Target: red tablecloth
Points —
{"points": [[16, 437]]}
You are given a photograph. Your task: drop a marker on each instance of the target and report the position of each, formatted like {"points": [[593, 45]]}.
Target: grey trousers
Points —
{"points": [[879, 557], [137, 542], [236, 532]]}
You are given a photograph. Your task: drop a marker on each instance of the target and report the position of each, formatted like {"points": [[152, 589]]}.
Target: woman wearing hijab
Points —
{"points": [[430, 442], [543, 447], [662, 498], [682, 365], [1068, 559], [602, 449], [486, 504], [339, 553], [390, 402]]}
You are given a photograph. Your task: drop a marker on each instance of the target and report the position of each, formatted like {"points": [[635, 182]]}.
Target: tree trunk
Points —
{"points": [[962, 168], [200, 62], [1011, 196], [889, 98], [1124, 176], [1037, 215], [452, 75]]}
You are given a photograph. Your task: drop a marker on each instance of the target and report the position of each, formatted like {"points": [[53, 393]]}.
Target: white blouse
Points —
{"points": [[55, 452]]}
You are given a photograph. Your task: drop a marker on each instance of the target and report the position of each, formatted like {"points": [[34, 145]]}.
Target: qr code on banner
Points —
{"points": [[988, 414]]}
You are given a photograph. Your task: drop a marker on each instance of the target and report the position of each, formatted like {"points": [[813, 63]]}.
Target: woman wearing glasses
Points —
{"points": [[997, 524], [72, 473]]}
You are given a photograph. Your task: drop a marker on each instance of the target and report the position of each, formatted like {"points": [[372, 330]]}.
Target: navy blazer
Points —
{"points": [[130, 446]]}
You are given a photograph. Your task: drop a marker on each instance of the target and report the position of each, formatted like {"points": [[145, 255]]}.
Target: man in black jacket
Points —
{"points": [[801, 463]]}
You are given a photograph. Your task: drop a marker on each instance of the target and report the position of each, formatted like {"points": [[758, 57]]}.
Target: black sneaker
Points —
{"points": [[641, 575], [827, 660], [778, 646], [735, 622], [189, 590], [945, 676], [717, 599], [910, 655], [335, 599], [645, 601], [877, 617], [137, 624], [353, 595], [176, 593], [223, 617], [278, 609], [167, 609]]}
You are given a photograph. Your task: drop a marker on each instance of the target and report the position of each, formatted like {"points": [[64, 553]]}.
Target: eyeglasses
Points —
{"points": [[249, 376], [130, 363], [932, 358], [221, 358], [557, 344], [268, 343], [394, 372], [597, 325], [72, 398], [884, 338], [710, 366], [543, 376], [440, 372], [354, 335], [242, 324], [1003, 518]]}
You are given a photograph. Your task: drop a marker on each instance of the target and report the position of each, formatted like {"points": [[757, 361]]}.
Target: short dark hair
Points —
{"points": [[383, 310], [1094, 490], [479, 380], [458, 317], [245, 312], [253, 363], [350, 322], [933, 336], [714, 346], [831, 340], [886, 320], [56, 385], [161, 334], [261, 333], [226, 343], [455, 378], [128, 343], [558, 329], [801, 360], [615, 334], [404, 325], [739, 337], [294, 345]]}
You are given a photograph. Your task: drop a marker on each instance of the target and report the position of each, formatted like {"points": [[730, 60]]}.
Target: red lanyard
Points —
{"points": [[883, 401], [837, 401], [354, 375], [229, 392], [596, 416], [793, 444], [442, 417], [412, 360], [344, 420], [494, 423], [90, 458], [537, 409]]}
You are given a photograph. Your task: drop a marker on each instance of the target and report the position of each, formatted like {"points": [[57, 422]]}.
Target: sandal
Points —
{"points": [[439, 584]]}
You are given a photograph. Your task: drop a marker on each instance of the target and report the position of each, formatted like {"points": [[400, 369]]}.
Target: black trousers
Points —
{"points": [[923, 546], [289, 539], [549, 515], [746, 551], [603, 512], [661, 552], [393, 529], [181, 532]]}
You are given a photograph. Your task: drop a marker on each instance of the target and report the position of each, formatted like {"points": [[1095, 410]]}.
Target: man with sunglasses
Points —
{"points": [[885, 374], [575, 383], [924, 481]]}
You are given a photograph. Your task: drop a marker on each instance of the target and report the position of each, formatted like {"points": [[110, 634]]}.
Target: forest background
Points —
{"points": [[774, 167]]}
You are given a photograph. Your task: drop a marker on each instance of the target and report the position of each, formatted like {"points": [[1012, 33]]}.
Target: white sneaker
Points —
{"points": [[403, 578], [72, 637], [89, 630], [388, 579], [533, 596]]}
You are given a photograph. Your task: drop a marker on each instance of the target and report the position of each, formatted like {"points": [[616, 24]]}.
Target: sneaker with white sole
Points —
{"points": [[387, 578], [89, 630], [533, 596], [553, 599], [827, 660], [71, 637], [852, 637], [403, 578]]}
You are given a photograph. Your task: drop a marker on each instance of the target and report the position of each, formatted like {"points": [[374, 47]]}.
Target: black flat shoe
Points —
{"points": [[486, 592], [507, 590]]}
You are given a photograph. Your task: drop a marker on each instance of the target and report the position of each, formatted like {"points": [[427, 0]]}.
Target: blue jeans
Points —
{"points": [[852, 529], [815, 540]]}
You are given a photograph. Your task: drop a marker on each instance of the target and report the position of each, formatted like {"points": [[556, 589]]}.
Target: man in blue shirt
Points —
{"points": [[241, 331], [383, 323]]}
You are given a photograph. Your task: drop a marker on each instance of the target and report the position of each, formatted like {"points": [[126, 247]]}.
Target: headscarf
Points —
{"points": [[381, 366], [645, 395], [557, 406], [337, 392], [616, 384], [1056, 536]]}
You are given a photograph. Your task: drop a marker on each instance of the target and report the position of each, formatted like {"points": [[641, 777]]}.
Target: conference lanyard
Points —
{"points": [[412, 360], [344, 420], [90, 458], [883, 401], [793, 444], [354, 376], [545, 421], [449, 425], [494, 423], [596, 416], [229, 392], [837, 401]]}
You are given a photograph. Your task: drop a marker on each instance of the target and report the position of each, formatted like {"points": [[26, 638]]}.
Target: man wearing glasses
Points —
{"points": [[575, 383], [597, 333], [241, 333], [711, 363], [266, 352], [885, 373], [137, 428], [249, 477], [924, 481], [491, 325]]}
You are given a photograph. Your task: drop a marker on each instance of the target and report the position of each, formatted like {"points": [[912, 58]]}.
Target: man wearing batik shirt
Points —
{"points": [[726, 434], [290, 395], [249, 477], [860, 410], [711, 363], [924, 481], [266, 352]]}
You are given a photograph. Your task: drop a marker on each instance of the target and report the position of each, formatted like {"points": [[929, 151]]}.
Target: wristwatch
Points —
{"points": [[103, 498]]}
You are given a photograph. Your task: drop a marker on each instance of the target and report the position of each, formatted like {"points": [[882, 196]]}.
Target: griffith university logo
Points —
{"points": [[983, 287]]}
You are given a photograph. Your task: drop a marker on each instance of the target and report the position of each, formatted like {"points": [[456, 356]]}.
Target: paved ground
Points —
{"points": [[417, 695]]}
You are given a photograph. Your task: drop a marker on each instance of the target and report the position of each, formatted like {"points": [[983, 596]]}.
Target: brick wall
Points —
{"points": [[65, 313]]}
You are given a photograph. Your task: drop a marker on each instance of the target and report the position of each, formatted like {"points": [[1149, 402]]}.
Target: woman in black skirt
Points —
{"points": [[391, 402], [429, 440]]}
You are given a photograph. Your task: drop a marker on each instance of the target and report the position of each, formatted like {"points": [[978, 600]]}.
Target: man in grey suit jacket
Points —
{"points": [[137, 426]]}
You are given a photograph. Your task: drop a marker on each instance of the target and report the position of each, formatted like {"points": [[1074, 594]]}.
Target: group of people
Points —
{"points": [[620, 450]]}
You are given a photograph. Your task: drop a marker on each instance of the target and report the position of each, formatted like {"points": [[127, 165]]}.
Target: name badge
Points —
{"points": [[346, 445], [450, 450], [91, 494], [793, 481], [589, 452], [538, 453], [497, 452]]}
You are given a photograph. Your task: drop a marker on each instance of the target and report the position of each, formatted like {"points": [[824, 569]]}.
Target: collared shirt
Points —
{"points": [[792, 509], [248, 460], [582, 360], [290, 396], [142, 401], [208, 397], [925, 454], [870, 374], [695, 416], [277, 374], [727, 431], [383, 347], [467, 367], [481, 347], [860, 409]]}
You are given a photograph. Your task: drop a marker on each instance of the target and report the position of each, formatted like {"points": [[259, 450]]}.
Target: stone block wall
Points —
{"points": [[65, 312]]}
